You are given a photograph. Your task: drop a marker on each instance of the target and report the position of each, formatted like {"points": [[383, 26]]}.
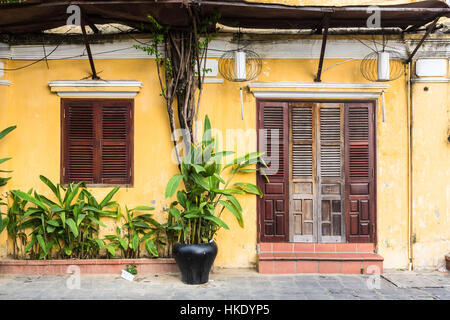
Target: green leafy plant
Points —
{"points": [[67, 226], [3, 133], [131, 269], [136, 229], [16, 222], [197, 212]]}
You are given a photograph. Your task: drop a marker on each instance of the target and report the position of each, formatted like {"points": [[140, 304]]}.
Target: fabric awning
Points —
{"points": [[37, 15]]}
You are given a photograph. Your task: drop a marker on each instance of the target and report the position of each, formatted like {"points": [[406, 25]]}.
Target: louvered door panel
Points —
{"points": [[330, 172], [115, 129], [79, 142], [302, 161], [360, 185], [273, 140]]}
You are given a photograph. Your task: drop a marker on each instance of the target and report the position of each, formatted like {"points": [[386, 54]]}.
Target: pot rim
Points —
{"points": [[196, 244]]}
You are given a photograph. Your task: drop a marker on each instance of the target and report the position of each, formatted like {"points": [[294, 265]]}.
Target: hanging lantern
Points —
{"points": [[382, 66], [240, 65]]}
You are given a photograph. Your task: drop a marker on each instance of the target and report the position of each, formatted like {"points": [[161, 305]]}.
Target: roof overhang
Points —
{"points": [[39, 15]]}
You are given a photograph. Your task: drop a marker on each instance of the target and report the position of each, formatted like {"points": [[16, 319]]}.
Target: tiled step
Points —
{"points": [[288, 258]]}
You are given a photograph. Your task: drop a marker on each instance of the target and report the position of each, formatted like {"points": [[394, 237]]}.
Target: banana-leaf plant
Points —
{"points": [[209, 189], [68, 225], [136, 229], [16, 222], [3, 133]]}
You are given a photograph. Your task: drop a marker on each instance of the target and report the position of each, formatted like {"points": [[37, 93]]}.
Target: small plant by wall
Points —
{"points": [[67, 226]]}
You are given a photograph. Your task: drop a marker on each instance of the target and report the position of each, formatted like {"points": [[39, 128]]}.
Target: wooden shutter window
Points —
{"points": [[97, 141], [79, 142], [302, 138], [114, 153], [360, 181], [274, 133], [330, 140]]}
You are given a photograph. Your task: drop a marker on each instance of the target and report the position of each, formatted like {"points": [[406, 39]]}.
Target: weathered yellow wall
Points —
{"points": [[4, 91], [431, 174], [35, 147]]}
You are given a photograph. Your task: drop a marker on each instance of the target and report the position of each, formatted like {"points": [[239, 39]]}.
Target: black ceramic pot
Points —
{"points": [[195, 261]]}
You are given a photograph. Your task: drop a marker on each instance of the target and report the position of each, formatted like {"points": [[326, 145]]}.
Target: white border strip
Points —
{"points": [[316, 95], [268, 49], [213, 80], [317, 85], [431, 80], [97, 94], [95, 83], [5, 83]]}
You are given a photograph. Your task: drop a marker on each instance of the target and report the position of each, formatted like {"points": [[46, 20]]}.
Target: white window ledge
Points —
{"points": [[318, 85], [321, 90], [96, 88], [316, 95]]}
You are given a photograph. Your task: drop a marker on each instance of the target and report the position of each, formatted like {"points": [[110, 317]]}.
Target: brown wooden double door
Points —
{"points": [[320, 184]]}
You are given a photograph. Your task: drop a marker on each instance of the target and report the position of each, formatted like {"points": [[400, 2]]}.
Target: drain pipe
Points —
{"points": [[410, 167]]}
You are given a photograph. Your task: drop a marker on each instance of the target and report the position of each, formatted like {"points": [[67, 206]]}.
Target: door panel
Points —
{"points": [[330, 172], [273, 208], [360, 167], [316, 158], [303, 168]]}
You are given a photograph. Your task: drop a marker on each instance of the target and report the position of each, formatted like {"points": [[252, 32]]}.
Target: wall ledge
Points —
{"points": [[96, 88], [5, 83], [315, 95], [321, 90], [318, 85], [430, 80]]}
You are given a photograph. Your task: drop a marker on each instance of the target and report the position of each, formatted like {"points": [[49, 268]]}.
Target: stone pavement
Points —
{"points": [[235, 284]]}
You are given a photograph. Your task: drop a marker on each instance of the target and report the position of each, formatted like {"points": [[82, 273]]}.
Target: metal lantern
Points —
{"points": [[382, 66], [240, 65]]}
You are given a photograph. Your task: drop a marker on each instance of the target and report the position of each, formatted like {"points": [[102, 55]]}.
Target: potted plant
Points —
{"points": [[207, 194]]}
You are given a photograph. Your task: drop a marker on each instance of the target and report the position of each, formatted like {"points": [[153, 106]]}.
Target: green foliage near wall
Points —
{"points": [[197, 213], [3, 133], [67, 225]]}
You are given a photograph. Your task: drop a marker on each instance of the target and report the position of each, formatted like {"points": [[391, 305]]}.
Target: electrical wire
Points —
{"points": [[39, 60]]}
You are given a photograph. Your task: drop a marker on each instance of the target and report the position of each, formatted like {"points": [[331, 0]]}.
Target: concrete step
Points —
{"points": [[289, 258]]}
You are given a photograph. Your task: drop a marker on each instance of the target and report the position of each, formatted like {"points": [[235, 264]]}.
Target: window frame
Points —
{"points": [[64, 157]]}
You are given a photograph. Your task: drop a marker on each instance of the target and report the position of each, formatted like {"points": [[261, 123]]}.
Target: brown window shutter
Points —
{"points": [[97, 141], [359, 173], [115, 146], [78, 141], [273, 208]]}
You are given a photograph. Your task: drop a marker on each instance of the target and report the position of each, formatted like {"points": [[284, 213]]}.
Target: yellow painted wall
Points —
{"points": [[431, 173], [4, 91], [35, 147]]}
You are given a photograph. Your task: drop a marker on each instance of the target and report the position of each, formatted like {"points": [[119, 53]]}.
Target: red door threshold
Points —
{"points": [[289, 258]]}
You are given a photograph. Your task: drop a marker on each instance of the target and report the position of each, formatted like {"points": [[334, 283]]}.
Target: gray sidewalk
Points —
{"points": [[229, 284]]}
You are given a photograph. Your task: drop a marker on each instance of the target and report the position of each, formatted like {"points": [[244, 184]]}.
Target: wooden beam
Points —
{"points": [[88, 48], [430, 29], [326, 23]]}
